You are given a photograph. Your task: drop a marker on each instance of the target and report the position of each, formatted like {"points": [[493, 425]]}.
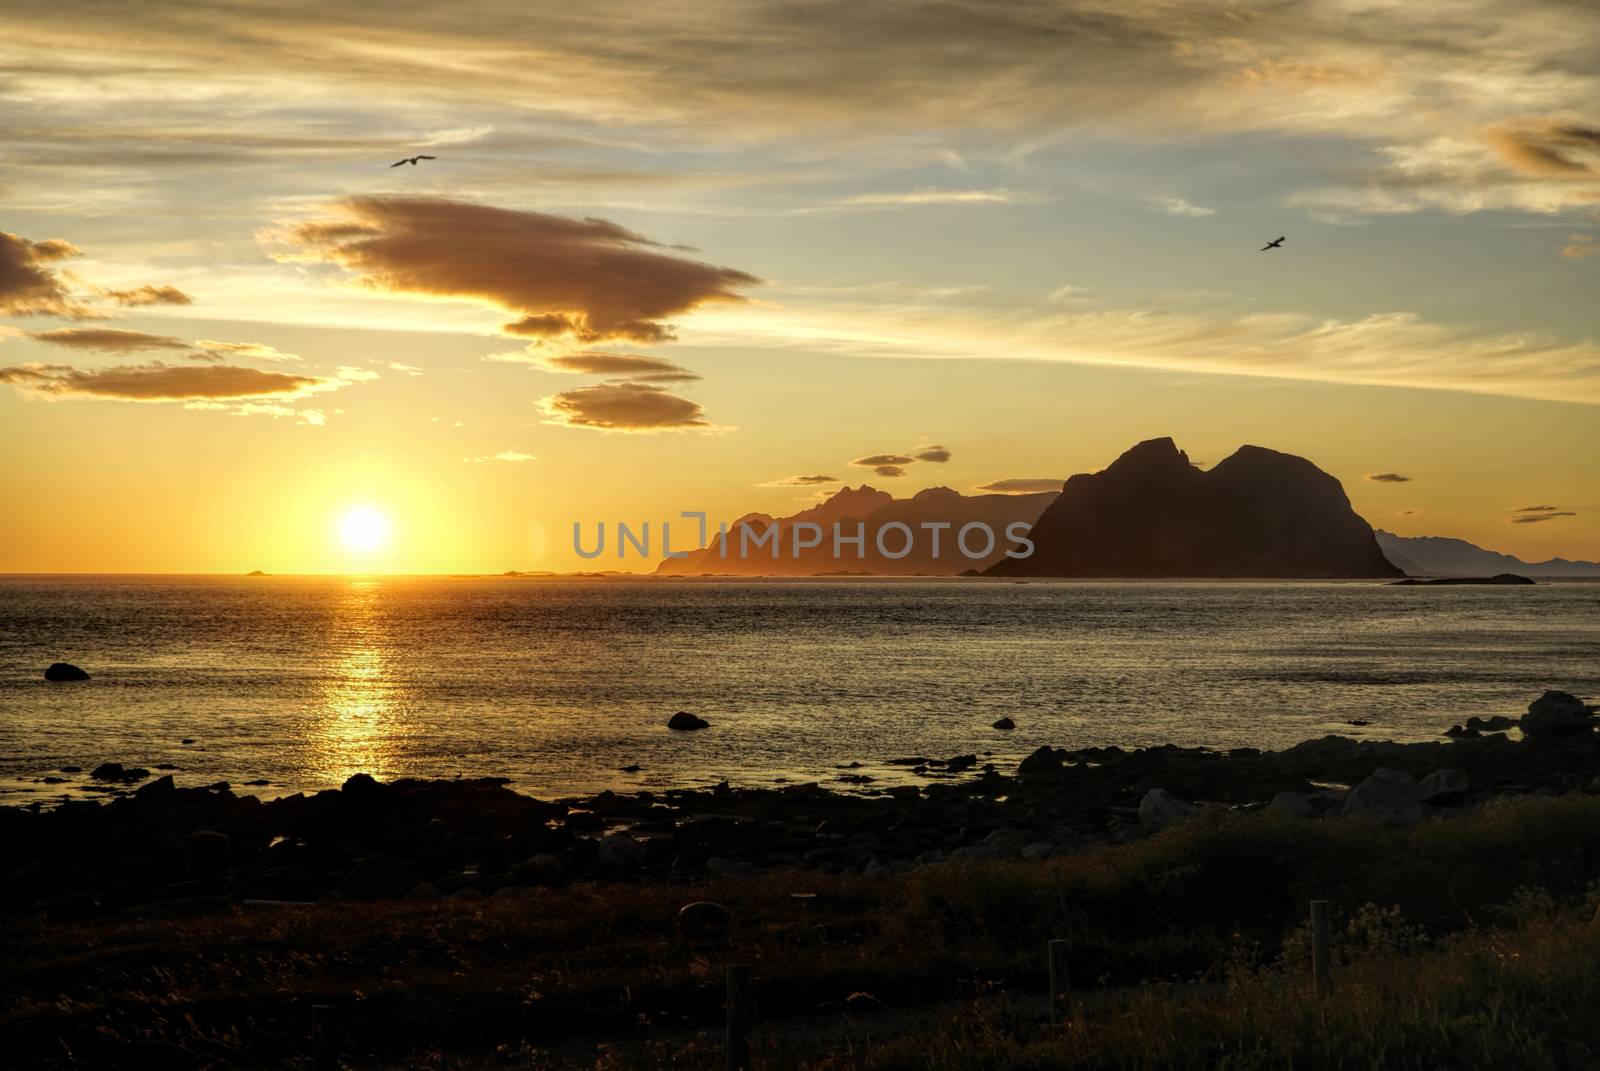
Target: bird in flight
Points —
{"points": [[412, 160], [1275, 243]]}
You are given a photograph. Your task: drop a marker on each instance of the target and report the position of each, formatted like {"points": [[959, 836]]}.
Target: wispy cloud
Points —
{"points": [[1581, 246], [1021, 486], [504, 455], [1178, 206], [1387, 477], [800, 481], [915, 198]]}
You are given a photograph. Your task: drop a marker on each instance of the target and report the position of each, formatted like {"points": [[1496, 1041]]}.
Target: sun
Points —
{"points": [[363, 529]]}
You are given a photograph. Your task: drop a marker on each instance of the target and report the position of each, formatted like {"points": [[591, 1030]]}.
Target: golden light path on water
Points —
{"points": [[357, 726]]}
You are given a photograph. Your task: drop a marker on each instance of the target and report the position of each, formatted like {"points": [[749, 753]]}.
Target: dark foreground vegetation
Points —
{"points": [[458, 924], [1462, 941]]}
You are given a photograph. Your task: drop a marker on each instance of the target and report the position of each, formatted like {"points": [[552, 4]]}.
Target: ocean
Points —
{"points": [[557, 684]]}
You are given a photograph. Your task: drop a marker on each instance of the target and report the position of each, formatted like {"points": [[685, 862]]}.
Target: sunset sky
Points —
{"points": [[672, 256]]}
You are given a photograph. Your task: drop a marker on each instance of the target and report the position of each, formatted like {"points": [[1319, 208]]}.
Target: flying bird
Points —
{"points": [[1275, 243], [412, 160]]}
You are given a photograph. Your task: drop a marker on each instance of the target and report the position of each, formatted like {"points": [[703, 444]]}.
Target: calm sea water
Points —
{"points": [[557, 684]]}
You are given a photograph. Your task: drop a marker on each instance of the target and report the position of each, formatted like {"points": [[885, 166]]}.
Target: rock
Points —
{"points": [[115, 771], [874, 869], [1462, 733], [1039, 849], [208, 842], [1444, 787], [541, 869], [1004, 723], [618, 852], [1292, 804], [376, 878], [703, 920], [1388, 796], [161, 786], [1160, 807], [683, 721], [422, 891], [1044, 762], [862, 1002], [1555, 715], [64, 671]]}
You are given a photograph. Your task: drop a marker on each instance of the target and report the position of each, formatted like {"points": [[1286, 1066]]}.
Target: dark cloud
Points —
{"points": [[1387, 477], [800, 481], [108, 339], [159, 382], [888, 470], [633, 407], [876, 460], [140, 296], [626, 365], [1548, 148], [933, 453], [1021, 486], [1535, 509], [585, 279], [28, 285], [1535, 518]]}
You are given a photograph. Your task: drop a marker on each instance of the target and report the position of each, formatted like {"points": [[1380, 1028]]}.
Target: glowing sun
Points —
{"points": [[363, 529]]}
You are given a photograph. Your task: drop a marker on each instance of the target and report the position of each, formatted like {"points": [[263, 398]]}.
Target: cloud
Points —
{"points": [[29, 286], [888, 470], [108, 339], [914, 198], [1387, 477], [628, 407], [504, 455], [587, 280], [1548, 148], [1030, 486], [799, 481], [1177, 206], [1399, 349], [141, 296], [255, 350], [933, 453], [597, 363], [1583, 245], [408, 369], [1535, 509], [1536, 518], [875, 460], [159, 382]]}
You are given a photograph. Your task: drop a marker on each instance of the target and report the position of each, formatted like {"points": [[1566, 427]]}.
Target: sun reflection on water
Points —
{"points": [[356, 725]]}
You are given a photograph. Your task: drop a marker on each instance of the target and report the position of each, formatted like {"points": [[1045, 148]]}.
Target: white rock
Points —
{"points": [[1388, 796], [1159, 807]]}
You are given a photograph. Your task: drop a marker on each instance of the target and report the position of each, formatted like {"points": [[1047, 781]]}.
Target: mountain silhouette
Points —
{"points": [[1151, 513], [1442, 556], [874, 509]]}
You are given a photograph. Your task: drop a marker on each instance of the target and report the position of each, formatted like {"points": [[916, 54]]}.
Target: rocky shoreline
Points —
{"points": [[165, 850]]}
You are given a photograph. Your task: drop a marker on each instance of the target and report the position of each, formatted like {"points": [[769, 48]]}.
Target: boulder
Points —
{"points": [[1044, 762], [541, 869], [64, 671], [1388, 796], [115, 771], [1555, 715], [683, 721], [618, 852], [1160, 807], [377, 878], [1292, 804], [1444, 787], [1004, 723], [161, 786], [703, 920]]}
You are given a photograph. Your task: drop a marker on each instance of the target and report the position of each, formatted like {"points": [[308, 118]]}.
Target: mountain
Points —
{"points": [[873, 509], [1441, 556], [1151, 513]]}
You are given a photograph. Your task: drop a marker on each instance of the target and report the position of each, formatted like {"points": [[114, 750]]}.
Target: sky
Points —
{"points": [[729, 256]]}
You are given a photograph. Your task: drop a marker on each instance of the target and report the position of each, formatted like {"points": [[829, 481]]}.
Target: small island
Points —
{"points": [[1498, 578]]}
